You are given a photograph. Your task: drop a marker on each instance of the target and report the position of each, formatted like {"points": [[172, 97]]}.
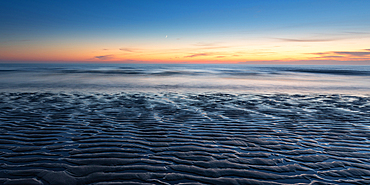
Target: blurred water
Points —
{"points": [[185, 78]]}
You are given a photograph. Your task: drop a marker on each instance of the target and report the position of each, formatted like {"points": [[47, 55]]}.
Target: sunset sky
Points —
{"points": [[186, 31]]}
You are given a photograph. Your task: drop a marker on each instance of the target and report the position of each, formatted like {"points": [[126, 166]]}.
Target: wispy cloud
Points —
{"points": [[127, 49], [132, 50], [210, 45], [197, 55], [352, 53], [217, 47], [332, 56], [329, 57], [206, 44], [348, 55], [325, 37], [104, 57], [306, 40], [356, 33], [319, 53]]}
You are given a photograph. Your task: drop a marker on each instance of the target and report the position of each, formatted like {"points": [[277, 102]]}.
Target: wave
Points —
{"points": [[332, 71], [104, 71], [207, 78], [191, 70]]}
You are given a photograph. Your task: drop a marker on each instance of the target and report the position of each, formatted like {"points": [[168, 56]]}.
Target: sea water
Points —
{"points": [[185, 78]]}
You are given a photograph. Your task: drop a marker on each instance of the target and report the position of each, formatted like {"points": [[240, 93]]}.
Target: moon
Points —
{"points": [[166, 36]]}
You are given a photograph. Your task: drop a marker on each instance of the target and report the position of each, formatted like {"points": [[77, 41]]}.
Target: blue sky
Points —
{"points": [[242, 28]]}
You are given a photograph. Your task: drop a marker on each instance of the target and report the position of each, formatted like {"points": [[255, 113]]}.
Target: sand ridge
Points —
{"points": [[174, 138]]}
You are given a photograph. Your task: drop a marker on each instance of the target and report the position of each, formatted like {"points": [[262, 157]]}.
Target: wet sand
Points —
{"points": [[184, 138]]}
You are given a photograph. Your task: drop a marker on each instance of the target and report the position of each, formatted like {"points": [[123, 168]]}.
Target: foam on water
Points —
{"points": [[185, 78]]}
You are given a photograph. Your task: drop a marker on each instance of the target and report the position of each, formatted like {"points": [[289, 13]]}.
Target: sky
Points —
{"points": [[185, 31]]}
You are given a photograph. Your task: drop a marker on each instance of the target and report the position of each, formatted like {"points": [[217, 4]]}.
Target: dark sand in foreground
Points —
{"points": [[148, 138]]}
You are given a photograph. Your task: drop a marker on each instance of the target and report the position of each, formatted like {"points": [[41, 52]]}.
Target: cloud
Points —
{"points": [[217, 47], [205, 44], [329, 57], [344, 55], [127, 49], [357, 53], [332, 56], [356, 33], [213, 45], [320, 53], [305, 40], [131, 50], [103, 57], [197, 55], [325, 37]]}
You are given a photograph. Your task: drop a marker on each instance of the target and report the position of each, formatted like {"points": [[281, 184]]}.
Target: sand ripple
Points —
{"points": [[170, 138]]}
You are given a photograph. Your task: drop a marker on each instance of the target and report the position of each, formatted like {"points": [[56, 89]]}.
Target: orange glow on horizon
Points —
{"points": [[262, 51]]}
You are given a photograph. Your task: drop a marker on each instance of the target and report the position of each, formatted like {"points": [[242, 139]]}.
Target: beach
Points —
{"points": [[184, 124]]}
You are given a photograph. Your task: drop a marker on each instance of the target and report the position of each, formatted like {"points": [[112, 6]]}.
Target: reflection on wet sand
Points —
{"points": [[184, 138]]}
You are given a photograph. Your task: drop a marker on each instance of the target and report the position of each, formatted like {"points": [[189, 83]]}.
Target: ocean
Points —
{"points": [[184, 124], [185, 78]]}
